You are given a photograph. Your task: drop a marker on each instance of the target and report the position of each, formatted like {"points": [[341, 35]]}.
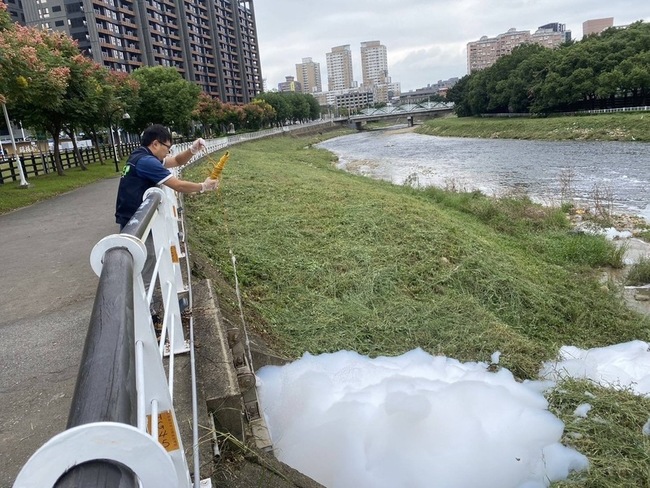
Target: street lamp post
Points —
{"points": [[110, 130], [125, 116], [23, 181]]}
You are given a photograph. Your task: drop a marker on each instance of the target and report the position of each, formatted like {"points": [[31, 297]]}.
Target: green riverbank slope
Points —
{"points": [[626, 126], [329, 260]]}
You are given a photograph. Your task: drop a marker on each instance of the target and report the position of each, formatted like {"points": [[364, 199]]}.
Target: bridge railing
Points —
{"points": [[404, 109]]}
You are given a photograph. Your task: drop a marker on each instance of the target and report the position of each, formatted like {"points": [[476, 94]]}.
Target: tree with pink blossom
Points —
{"points": [[45, 81]]}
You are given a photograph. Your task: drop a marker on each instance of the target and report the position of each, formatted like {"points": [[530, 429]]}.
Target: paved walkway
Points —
{"points": [[48, 289]]}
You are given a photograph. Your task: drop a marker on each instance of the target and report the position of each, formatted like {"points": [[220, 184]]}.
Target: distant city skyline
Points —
{"points": [[426, 40]]}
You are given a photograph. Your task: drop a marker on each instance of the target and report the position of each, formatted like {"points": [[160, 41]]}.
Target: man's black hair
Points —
{"points": [[155, 132]]}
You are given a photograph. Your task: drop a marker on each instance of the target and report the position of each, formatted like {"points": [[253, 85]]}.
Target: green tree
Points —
{"points": [[206, 112], [283, 110], [583, 84], [299, 106], [609, 84], [478, 96], [506, 83], [164, 98], [636, 76], [258, 114], [603, 70], [230, 115], [82, 102], [118, 95], [458, 95], [314, 107]]}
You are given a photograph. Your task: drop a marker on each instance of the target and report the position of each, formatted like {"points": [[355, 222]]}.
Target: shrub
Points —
{"points": [[639, 273]]}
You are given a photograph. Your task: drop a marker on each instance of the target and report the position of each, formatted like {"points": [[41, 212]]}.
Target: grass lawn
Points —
{"points": [[625, 126]]}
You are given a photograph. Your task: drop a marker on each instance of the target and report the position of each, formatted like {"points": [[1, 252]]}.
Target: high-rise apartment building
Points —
{"points": [[484, 53], [596, 26], [290, 85], [374, 68], [339, 68], [213, 44], [551, 35], [16, 10], [308, 75], [374, 64]]}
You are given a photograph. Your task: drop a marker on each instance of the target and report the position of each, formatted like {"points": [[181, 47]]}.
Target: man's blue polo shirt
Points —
{"points": [[143, 170]]}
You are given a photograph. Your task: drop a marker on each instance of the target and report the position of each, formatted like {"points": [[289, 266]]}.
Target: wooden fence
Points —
{"points": [[36, 164]]}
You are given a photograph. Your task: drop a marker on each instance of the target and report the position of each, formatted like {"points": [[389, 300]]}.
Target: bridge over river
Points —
{"points": [[406, 112]]}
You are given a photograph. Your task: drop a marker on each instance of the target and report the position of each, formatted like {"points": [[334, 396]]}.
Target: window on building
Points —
{"points": [[76, 22]]}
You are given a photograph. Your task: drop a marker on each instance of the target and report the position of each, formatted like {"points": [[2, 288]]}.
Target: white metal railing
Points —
{"points": [[645, 108], [152, 448]]}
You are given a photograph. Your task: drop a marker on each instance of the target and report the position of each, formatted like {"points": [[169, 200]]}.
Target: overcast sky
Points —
{"points": [[426, 39]]}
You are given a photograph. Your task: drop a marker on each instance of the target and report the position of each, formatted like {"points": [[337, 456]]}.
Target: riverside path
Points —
{"points": [[48, 289]]}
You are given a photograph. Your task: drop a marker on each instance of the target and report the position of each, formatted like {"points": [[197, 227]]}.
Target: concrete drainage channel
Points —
{"points": [[636, 297], [228, 403]]}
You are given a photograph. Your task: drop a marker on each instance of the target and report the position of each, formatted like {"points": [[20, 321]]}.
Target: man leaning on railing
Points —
{"points": [[147, 167]]}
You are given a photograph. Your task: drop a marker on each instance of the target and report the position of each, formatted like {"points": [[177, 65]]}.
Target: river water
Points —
{"points": [[616, 173]]}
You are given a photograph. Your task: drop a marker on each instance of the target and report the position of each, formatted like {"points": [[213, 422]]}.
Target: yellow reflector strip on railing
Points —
{"points": [[167, 435]]}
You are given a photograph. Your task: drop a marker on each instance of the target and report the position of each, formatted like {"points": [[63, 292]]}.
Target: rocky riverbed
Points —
{"points": [[630, 232]]}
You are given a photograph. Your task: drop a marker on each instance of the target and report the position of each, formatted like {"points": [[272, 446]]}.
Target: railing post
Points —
{"points": [[166, 239], [12, 167], [44, 162], [172, 218], [32, 159]]}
